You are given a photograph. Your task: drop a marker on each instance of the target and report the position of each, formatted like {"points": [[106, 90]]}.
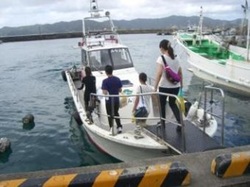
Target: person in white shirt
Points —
{"points": [[140, 101], [164, 84]]}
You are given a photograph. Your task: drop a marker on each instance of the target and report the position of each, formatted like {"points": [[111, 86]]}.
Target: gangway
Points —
{"points": [[191, 139]]}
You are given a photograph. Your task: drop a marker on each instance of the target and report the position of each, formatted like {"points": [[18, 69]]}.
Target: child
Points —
{"points": [[142, 100]]}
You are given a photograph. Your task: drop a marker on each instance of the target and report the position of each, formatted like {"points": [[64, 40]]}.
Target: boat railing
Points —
{"points": [[104, 30], [158, 119], [210, 100], [216, 38], [72, 85]]}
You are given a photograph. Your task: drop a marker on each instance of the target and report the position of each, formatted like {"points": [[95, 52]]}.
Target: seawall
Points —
{"points": [[198, 165]]}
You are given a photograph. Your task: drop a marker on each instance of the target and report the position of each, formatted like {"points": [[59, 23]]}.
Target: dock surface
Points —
{"points": [[195, 139]]}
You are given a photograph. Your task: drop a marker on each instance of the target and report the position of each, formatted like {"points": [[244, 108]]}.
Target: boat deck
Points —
{"points": [[195, 139]]}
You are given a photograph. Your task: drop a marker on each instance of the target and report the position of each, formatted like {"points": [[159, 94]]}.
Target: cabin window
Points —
{"points": [[105, 57], [94, 57], [118, 58]]}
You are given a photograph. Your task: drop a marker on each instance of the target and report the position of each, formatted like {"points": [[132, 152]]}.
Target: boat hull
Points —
{"points": [[124, 152], [125, 146], [230, 73]]}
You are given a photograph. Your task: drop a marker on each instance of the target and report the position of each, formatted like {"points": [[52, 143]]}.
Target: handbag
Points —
{"points": [[141, 111], [170, 74]]}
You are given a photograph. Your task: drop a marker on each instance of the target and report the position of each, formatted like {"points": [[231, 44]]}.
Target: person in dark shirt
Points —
{"points": [[112, 85], [89, 81]]}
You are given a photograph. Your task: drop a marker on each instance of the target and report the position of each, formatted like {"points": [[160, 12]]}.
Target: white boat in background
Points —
{"points": [[216, 61], [99, 47]]}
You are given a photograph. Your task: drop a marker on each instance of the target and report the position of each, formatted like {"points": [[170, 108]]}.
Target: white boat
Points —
{"points": [[216, 61], [100, 46]]}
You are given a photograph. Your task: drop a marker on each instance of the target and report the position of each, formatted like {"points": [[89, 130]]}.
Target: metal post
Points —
{"points": [[222, 121], [248, 30], [205, 109], [112, 114], [182, 126]]}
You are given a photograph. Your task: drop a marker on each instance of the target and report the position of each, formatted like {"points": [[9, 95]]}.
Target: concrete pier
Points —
{"points": [[198, 165]]}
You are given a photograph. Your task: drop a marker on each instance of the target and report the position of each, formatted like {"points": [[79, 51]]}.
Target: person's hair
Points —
{"points": [[166, 45], [109, 69], [143, 77], [88, 71]]}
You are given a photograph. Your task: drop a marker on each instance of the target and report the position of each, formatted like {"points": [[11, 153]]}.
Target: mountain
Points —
{"points": [[178, 22]]}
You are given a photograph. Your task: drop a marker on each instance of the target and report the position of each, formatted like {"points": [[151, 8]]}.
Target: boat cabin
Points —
{"points": [[97, 59]]}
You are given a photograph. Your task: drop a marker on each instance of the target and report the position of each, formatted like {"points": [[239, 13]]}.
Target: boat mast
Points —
{"points": [[200, 23], [94, 12], [246, 12]]}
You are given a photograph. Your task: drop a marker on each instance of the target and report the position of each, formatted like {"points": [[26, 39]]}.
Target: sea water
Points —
{"points": [[31, 82]]}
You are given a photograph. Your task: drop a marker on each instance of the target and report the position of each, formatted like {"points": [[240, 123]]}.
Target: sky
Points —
{"points": [[14, 13]]}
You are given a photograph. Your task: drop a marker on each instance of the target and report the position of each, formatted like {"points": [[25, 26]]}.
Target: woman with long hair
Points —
{"points": [[163, 84]]}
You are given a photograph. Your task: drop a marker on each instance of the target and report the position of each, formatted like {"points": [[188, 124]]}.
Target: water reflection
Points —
{"points": [[28, 126], [4, 157], [88, 153]]}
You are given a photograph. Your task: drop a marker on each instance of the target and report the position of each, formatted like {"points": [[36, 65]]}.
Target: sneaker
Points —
{"points": [[136, 132], [138, 136], [119, 130], [110, 131]]}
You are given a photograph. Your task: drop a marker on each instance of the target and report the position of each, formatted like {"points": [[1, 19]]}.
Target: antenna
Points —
{"points": [[94, 10], [246, 11]]}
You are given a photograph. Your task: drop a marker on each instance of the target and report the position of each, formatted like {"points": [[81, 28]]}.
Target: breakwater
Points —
{"points": [[40, 37], [50, 36]]}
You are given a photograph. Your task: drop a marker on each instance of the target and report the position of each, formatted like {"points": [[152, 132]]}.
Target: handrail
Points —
{"points": [[140, 94], [211, 88], [93, 95]]}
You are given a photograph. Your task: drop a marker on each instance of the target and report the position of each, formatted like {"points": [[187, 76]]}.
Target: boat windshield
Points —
{"points": [[117, 57]]}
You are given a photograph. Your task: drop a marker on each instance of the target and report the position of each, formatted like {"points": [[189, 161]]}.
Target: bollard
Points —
{"points": [[231, 165]]}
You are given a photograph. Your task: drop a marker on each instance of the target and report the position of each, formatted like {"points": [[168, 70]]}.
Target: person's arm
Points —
{"points": [[104, 88], [135, 103], [81, 87], [120, 89], [158, 75]]}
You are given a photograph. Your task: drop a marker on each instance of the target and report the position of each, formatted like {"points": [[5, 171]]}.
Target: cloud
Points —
{"points": [[29, 12]]}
